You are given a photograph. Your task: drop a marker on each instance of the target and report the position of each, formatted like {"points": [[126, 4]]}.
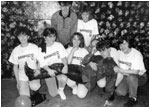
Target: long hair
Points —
{"points": [[81, 38]]}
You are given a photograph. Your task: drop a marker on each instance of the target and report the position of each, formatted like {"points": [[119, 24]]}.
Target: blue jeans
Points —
{"points": [[130, 84]]}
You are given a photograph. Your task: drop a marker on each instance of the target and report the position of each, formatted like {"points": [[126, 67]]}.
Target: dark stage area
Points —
{"points": [[9, 94]]}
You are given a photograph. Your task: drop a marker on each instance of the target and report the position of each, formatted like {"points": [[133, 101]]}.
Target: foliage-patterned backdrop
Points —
{"points": [[115, 18]]}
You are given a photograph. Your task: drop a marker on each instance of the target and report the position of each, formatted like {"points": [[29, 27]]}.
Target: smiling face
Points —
{"points": [[105, 53], [76, 41], [23, 38], [50, 39], [125, 47], [65, 9], [85, 16]]}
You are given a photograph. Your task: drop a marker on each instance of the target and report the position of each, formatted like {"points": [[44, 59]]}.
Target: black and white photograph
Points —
{"points": [[74, 53]]}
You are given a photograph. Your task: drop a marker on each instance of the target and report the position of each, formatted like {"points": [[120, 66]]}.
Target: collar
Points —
{"points": [[60, 13]]}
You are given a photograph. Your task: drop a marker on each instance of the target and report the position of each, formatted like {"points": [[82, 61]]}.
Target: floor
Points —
{"points": [[95, 99]]}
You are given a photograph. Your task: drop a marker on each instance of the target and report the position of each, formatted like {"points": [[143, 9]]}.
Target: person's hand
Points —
{"points": [[93, 66], [36, 72], [89, 48], [65, 69], [51, 72], [94, 50], [108, 103], [116, 69], [125, 74], [75, 49]]}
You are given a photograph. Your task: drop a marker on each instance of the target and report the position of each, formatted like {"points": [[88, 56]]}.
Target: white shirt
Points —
{"points": [[78, 55], [20, 55], [54, 54], [133, 60], [88, 29], [114, 54]]}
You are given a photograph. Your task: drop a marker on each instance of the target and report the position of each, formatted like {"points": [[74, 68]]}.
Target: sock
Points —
{"points": [[74, 90], [62, 94]]}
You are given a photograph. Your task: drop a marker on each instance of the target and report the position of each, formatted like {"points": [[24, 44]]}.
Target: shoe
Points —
{"points": [[131, 102], [74, 90], [37, 99], [112, 97], [62, 94], [108, 103]]}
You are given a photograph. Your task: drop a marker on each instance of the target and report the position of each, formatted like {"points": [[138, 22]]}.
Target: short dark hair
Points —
{"points": [[102, 45], [49, 31], [126, 38], [22, 30], [65, 3], [87, 10], [81, 38]]}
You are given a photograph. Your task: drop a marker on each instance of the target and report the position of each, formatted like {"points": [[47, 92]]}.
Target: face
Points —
{"points": [[124, 47], [105, 53], [94, 42], [85, 16], [65, 10], [76, 41], [49, 40], [23, 38]]}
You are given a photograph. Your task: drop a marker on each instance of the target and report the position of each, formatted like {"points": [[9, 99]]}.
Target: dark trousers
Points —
{"points": [[110, 85]]}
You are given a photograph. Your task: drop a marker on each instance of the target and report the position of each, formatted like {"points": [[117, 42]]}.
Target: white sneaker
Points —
{"points": [[62, 94], [74, 90]]}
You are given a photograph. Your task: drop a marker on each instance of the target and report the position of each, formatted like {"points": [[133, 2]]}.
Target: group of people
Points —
{"points": [[68, 41]]}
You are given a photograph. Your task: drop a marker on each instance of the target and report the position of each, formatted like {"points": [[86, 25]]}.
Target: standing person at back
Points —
{"points": [[65, 22], [88, 26]]}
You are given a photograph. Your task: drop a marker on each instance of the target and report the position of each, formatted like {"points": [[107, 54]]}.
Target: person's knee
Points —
{"points": [[120, 93], [71, 83], [81, 95], [101, 83], [62, 78], [132, 77], [35, 85], [82, 91]]}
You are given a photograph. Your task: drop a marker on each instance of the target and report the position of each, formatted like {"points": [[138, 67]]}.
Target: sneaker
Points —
{"points": [[62, 94], [74, 90], [131, 102]]}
